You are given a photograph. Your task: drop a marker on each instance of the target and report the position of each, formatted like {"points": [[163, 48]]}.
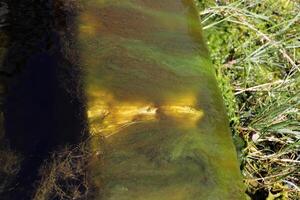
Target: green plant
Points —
{"points": [[255, 47]]}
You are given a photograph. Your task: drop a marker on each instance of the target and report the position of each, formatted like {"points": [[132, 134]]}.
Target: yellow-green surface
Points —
{"points": [[154, 110]]}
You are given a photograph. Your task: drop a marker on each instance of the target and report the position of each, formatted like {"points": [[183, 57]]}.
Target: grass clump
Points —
{"points": [[255, 47], [65, 175]]}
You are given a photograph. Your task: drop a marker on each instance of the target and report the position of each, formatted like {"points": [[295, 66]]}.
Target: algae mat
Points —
{"points": [[154, 110]]}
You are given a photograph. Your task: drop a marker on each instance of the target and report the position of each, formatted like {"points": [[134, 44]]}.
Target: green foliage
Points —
{"points": [[255, 47]]}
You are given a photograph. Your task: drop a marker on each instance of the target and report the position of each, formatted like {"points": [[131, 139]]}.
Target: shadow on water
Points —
{"points": [[44, 107]]}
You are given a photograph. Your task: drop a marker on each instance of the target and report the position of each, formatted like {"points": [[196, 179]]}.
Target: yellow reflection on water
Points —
{"points": [[183, 113], [108, 116], [89, 24]]}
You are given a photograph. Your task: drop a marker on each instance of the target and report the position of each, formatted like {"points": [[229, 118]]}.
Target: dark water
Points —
{"points": [[41, 114]]}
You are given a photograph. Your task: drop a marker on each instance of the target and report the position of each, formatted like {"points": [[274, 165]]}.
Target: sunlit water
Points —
{"points": [[154, 110]]}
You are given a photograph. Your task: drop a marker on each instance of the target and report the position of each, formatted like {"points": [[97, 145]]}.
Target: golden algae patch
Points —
{"points": [[108, 116]]}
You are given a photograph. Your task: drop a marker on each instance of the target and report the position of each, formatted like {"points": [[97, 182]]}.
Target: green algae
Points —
{"points": [[154, 110]]}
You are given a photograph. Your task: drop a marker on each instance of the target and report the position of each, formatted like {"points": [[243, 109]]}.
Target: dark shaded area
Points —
{"points": [[44, 106], [259, 194]]}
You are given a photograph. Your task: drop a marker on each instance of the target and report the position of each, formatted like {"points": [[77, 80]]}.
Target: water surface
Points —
{"points": [[154, 109]]}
